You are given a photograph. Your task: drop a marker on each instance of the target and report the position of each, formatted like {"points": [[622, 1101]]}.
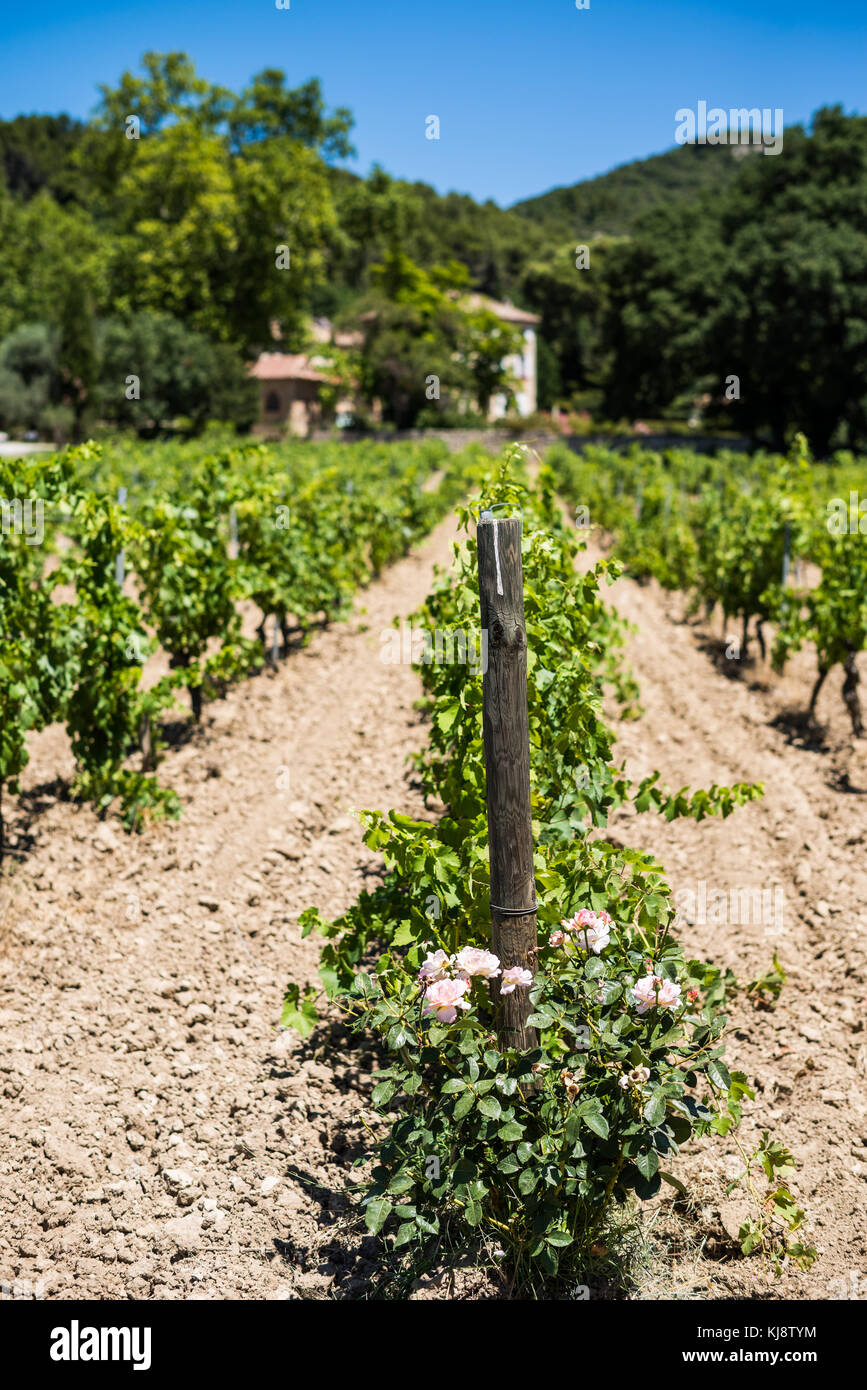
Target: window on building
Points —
{"points": [[272, 402]]}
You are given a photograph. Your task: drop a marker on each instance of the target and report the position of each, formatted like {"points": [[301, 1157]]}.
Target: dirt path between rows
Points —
{"points": [[709, 719], [162, 1139]]}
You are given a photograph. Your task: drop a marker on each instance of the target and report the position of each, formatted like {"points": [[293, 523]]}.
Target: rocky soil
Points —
{"points": [[161, 1137], [710, 719]]}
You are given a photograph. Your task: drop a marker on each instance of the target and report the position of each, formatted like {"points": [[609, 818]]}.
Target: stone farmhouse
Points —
{"points": [[291, 383]]}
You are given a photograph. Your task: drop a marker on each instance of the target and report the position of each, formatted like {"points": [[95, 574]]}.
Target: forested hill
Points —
{"points": [[611, 203]]}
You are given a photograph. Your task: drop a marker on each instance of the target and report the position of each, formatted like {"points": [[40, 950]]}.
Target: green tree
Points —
{"points": [[411, 342], [154, 369], [660, 288], [765, 283], [28, 375], [200, 233], [38, 152], [44, 246], [268, 108], [485, 343], [790, 320], [428, 345], [76, 353], [569, 301]]}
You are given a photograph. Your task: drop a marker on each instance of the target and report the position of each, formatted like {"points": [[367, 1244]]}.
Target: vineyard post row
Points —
{"points": [[514, 936]]}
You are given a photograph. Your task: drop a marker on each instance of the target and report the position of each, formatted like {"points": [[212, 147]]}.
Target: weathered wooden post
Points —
{"points": [[507, 764]]}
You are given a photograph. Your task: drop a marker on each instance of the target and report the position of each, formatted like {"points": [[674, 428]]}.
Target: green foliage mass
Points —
{"points": [[767, 283], [742, 532], [611, 204], [91, 587]]}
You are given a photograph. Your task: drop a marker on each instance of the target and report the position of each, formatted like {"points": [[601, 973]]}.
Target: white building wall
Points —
{"points": [[522, 370]]}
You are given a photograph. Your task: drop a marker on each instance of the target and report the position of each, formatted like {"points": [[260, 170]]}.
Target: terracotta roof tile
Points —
{"points": [[285, 366]]}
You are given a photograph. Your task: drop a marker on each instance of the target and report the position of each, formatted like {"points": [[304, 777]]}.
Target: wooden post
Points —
{"points": [[507, 766]]}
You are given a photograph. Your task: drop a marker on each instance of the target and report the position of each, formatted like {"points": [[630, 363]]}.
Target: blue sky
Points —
{"points": [[530, 93]]}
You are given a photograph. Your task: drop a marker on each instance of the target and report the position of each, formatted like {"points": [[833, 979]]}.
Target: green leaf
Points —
{"points": [[465, 1171], [473, 1213], [654, 1110], [490, 1106], [377, 1213], [542, 1020], [445, 718], [597, 1123], [645, 1188], [559, 1238], [405, 1233], [510, 1132], [464, 1105], [299, 1013], [647, 1163], [383, 1093], [718, 1074]]}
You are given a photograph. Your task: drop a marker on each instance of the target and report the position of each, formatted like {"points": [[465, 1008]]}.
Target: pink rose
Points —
{"points": [[444, 998], [653, 992], [592, 930], [474, 962], [556, 938], [434, 967], [584, 917], [515, 975]]}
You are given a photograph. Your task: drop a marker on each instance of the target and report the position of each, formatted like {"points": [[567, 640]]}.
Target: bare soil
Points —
{"points": [[711, 719], [162, 1137]]}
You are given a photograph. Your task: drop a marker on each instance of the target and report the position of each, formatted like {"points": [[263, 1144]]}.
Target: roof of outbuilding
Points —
{"points": [[286, 366], [507, 312]]}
